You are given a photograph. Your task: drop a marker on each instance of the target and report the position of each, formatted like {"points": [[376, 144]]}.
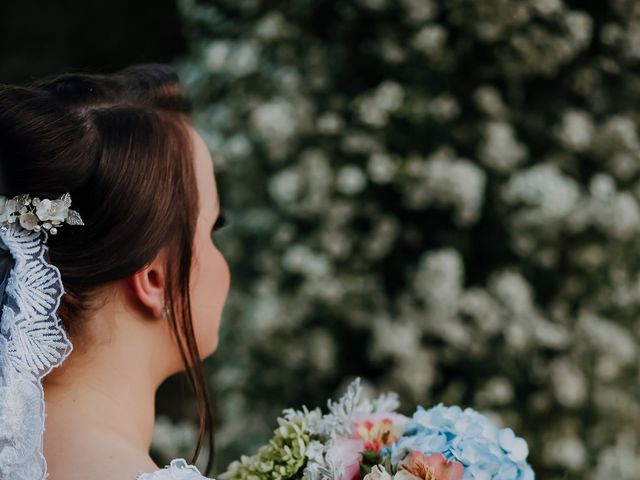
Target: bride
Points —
{"points": [[106, 297]]}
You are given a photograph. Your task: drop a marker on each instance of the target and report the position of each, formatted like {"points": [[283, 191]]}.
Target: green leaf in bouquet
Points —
{"points": [[386, 463], [281, 459], [365, 470], [370, 458]]}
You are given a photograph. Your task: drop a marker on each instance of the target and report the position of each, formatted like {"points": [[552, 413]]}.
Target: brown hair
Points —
{"points": [[120, 145]]}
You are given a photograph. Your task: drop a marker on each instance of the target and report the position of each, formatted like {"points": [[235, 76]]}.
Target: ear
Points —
{"points": [[148, 286]]}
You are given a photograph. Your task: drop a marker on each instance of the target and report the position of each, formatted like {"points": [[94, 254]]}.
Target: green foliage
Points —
{"points": [[282, 458], [441, 197], [370, 459]]}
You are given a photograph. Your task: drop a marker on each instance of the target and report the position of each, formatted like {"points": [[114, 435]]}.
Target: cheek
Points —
{"points": [[209, 288]]}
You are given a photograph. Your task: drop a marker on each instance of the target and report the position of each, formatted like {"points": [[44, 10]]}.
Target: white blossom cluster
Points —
{"points": [[440, 197]]}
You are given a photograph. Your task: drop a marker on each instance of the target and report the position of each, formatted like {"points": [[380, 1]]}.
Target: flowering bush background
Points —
{"points": [[439, 197]]}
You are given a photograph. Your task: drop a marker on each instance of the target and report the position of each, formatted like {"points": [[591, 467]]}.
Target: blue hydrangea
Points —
{"points": [[487, 452]]}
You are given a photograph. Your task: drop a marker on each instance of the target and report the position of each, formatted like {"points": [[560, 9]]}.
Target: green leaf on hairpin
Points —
{"points": [[73, 218]]}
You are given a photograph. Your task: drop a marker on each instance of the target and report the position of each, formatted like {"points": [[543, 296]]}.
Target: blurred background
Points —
{"points": [[441, 197]]}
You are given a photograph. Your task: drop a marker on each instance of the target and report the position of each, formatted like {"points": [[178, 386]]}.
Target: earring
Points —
{"points": [[165, 311]]}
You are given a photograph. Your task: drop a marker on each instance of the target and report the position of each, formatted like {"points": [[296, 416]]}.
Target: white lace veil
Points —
{"points": [[32, 343]]}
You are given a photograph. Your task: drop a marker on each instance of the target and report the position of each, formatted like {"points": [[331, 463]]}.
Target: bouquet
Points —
{"points": [[361, 439]]}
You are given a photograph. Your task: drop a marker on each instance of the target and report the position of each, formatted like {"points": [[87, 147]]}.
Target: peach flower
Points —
{"points": [[432, 467]]}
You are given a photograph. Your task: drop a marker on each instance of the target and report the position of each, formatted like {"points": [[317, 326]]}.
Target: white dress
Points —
{"points": [[178, 469]]}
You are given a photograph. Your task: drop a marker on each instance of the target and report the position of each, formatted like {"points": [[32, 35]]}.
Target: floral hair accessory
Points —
{"points": [[36, 214]]}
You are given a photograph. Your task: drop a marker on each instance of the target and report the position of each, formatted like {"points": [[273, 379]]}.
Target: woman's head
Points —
{"points": [[142, 179]]}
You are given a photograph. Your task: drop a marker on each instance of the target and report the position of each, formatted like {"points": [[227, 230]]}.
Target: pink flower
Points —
{"points": [[346, 452], [378, 430], [432, 467]]}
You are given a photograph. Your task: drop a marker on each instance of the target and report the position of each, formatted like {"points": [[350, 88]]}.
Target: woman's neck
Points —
{"points": [[106, 387], [112, 398]]}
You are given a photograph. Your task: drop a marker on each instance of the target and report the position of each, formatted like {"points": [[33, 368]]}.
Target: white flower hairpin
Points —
{"points": [[36, 214]]}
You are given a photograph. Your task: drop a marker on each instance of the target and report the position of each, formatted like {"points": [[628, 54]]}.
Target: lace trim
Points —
{"points": [[32, 343], [179, 469]]}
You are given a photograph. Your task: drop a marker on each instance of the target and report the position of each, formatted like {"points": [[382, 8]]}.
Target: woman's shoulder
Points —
{"points": [[178, 469]]}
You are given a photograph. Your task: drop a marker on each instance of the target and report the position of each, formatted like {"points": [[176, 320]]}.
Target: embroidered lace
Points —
{"points": [[32, 342]]}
